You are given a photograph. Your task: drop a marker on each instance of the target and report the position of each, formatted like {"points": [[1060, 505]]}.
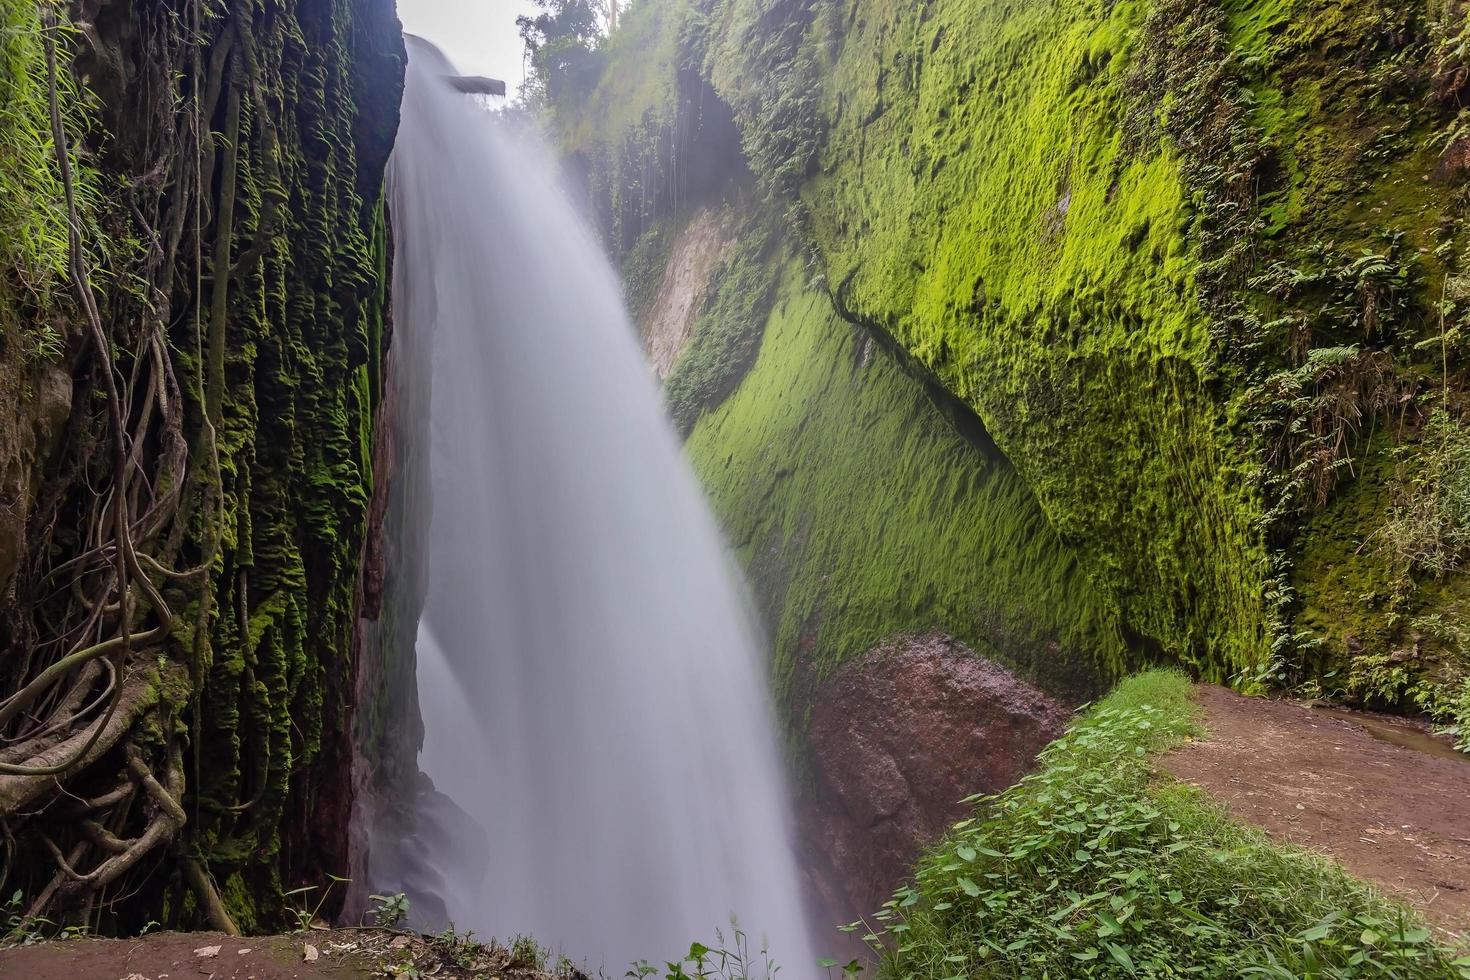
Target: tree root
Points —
{"points": [[136, 695], [215, 912]]}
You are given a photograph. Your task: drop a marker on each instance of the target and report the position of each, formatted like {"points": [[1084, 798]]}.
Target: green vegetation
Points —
{"points": [[1093, 866], [561, 43], [181, 604], [1195, 266], [867, 503], [33, 216], [728, 959], [1428, 531], [727, 333]]}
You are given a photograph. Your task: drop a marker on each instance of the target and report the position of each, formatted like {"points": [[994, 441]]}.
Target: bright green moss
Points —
{"points": [[1123, 233], [33, 229], [977, 200], [866, 504]]}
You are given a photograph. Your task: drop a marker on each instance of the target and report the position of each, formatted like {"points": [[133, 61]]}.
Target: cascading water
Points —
{"points": [[590, 681]]}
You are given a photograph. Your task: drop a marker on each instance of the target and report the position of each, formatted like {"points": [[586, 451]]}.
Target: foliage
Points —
{"points": [[1428, 530], [561, 42], [306, 916], [1091, 867], [22, 929], [727, 332], [1312, 418], [527, 954], [33, 218], [1454, 709], [765, 62], [389, 910], [727, 959], [643, 269]]}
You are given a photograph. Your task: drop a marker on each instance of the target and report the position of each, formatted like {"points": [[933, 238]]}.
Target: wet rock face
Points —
{"points": [[897, 741]]}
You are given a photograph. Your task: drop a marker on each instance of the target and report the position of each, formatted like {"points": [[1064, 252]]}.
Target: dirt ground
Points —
{"points": [[319, 954], [1394, 815], [178, 956]]}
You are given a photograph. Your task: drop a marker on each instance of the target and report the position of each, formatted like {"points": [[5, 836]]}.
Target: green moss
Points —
{"points": [[727, 333], [34, 283], [866, 503], [1182, 259], [33, 231], [304, 332], [978, 200]]}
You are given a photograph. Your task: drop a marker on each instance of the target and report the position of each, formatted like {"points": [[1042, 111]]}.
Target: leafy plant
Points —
{"points": [[390, 909], [22, 929], [1090, 867], [730, 959], [527, 954], [306, 916], [1428, 531]]}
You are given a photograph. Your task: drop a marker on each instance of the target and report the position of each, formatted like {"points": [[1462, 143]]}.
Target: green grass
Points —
{"points": [[1096, 866]]}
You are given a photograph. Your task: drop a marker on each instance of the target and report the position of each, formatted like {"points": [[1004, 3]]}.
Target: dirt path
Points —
{"points": [[330, 954], [1397, 816], [177, 956]]}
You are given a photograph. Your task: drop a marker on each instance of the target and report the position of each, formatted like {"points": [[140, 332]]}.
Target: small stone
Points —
{"points": [[242, 952], [310, 953], [207, 951]]}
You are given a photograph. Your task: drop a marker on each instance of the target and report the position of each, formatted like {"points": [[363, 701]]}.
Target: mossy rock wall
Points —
{"points": [[1195, 268], [866, 501], [253, 730]]}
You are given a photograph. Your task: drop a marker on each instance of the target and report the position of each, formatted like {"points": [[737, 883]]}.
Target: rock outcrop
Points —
{"points": [[897, 742]]}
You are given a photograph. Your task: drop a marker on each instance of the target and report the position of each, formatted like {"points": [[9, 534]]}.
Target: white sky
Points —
{"points": [[479, 36]]}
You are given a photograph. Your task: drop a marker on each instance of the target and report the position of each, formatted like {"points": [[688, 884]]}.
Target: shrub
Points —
{"points": [[1428, 531], [1090, 867]]}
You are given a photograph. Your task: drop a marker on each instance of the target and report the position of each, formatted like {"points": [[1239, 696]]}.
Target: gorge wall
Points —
{"points": [[1089, 334], [189, 388]]}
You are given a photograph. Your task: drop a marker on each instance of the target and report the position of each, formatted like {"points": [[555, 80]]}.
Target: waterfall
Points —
{"points": [[592, 688]]}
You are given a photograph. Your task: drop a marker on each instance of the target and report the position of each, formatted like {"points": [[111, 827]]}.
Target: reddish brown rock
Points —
{"points": [[897, 741], [1454, 163]]}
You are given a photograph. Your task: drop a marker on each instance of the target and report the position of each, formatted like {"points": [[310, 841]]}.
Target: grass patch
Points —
{"points": [[1094, 867]]}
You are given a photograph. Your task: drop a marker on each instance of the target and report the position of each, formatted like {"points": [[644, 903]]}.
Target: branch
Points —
{"points": [[20, 699]]}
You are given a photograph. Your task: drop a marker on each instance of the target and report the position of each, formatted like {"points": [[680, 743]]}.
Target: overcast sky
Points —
{"points": [[479, 36]]}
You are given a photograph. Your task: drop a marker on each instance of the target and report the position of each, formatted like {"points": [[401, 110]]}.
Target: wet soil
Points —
{"points": [[178, 956], [1338, 784], [318, 954]]}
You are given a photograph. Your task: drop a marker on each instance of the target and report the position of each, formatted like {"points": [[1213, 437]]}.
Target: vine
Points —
{"points": [[150, 695]]}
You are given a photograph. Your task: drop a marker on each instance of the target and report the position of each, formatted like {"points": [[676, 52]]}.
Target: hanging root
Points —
{"points": [[165, 684], [94, 683]]}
